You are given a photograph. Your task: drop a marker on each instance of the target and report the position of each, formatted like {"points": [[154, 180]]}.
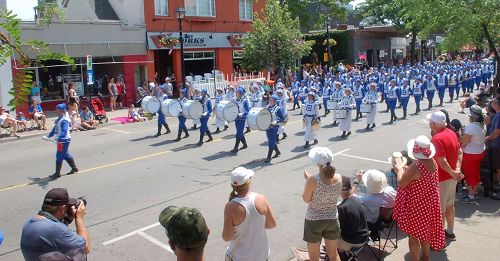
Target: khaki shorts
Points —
{"points": [[346, 246], [315, 230], [447, 193]]}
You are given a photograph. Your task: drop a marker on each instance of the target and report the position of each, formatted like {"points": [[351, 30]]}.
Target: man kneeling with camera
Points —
{"points": [[47, 233]]}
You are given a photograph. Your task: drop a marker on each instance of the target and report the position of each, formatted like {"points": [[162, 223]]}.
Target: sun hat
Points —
{"points": [[375, 181], [397, 158], [186, 227], [240, 176], [437, 117], [474, 110], [421, 148], [321, 155]]}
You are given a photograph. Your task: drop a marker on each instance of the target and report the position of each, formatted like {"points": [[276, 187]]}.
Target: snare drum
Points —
{"points": [[227, 111], [340, 114], [331, 105], [192, 109], [150, 104], [259, 119], [366, 108], [171, 107]]}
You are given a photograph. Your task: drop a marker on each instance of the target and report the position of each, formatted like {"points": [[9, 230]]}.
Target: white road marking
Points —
{"points": [[340, 152], [422, 121], [155, 241], [363, 158], [115, 130], [130, 234]]}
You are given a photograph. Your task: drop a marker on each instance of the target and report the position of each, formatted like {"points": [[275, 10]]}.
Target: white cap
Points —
{"points": [[437, 117], [240, 176], [321, 155]]}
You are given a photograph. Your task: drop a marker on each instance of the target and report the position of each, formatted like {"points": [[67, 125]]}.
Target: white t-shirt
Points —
{"points": [[476, 144], [3, 116]]}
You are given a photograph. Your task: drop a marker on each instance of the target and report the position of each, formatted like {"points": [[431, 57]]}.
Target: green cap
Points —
{"points": [[185, 227]]}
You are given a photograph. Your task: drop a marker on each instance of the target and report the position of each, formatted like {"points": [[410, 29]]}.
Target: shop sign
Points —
{"points": [[193, 40]]}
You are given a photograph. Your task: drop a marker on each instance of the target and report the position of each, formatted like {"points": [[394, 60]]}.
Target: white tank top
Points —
{"points": [[250, 239]]}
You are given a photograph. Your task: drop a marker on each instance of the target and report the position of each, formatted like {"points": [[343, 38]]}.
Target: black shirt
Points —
{"points": [[352, 218]]}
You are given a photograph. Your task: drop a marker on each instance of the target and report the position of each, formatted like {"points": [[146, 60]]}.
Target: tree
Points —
{"points": [[275, 40], [313, 13], [463, 22], [11, 45]]}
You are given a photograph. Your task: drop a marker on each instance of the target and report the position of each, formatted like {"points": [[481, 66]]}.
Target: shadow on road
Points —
{"points": [[220, 155], [143, 138]]}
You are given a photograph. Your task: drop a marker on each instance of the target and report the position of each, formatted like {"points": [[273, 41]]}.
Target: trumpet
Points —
{"points": [[441, 58]]}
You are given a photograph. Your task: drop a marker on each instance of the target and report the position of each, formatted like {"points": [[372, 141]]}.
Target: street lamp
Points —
{"points": [[328, 20], [180, 11]]}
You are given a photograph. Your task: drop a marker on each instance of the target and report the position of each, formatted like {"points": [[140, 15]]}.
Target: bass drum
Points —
{"points": [[259, 119], [365, 108], [192, 109], [341, 114], [227, 111], [171, 107], [150, 104]]}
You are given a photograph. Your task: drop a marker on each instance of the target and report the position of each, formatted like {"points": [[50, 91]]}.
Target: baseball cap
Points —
{"points": [[58, 197], [61, 106], [474, 109], [437, 117], [240, 176], [185, 226]]}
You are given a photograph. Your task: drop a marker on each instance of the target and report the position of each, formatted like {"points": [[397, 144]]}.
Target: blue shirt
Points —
{"points": [[38, 108], [495, 124], [42, 235]]}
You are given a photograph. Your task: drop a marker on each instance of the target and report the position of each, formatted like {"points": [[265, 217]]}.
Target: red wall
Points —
{"points": [[130, 61]]}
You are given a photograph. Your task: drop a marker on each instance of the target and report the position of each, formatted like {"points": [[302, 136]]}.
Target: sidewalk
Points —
{"points": [[51, 117]]}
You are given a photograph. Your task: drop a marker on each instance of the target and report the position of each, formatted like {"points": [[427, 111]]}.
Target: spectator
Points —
{"points": [[46, 232], [247, 215], [352, 218], [473, 152], [482, 97], [493, 138], [22, 123], [467, 101], [133, 114], [187, 232], [73, 100], [7, 121], [417, 209], [113, 93], [378, 194], [120, 87], [87, 119], [36, 113], [449, 159], [168, 88], [321, 193], [36, 92]]}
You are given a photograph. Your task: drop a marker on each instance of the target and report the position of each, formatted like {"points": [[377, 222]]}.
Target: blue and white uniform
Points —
{"points": [[347, 103], [442, 85], [404, 96], [277, 118], [207, 112], [61, 132], [371, 98], [417, 91], [392, 98], [337, 94], [311, 114], [430, 87], [244, 108], [219, 123]]}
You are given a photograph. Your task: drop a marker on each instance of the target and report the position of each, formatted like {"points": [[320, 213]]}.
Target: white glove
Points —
{"points": [[240, 114]]}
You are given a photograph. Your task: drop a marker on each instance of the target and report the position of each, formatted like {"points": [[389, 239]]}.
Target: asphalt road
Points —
{"points": [[128, 177]]}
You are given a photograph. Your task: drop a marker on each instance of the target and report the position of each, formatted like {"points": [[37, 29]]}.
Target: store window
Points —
{"points": [[200, 7], [246, 9], [161, 7]]}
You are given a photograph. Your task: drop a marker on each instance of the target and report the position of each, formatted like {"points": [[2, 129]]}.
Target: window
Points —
{"points": [[161, 7], [237, 54], [198, 55], [246, 9], [200, 7]]}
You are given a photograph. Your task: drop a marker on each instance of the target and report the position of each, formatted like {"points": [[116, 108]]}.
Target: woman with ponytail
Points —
{"points": [[247, 215], [321, 193]]}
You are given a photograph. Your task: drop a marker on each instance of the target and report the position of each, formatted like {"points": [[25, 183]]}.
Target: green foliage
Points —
{"points": [[338, 52], [48, 11], [313, 13], [11, 44], [275, 40]]}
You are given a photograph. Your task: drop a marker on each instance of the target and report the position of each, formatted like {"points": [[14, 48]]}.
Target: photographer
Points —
{"points": [[48, 230]]}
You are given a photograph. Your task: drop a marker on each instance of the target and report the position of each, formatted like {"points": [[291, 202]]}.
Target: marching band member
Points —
{"points": [[196, 97], [220, 123], [272, 132], [404, 96], [477, 74], [296, 93], [385, 90], [63, 138], [159, 92], [430, 89], [256, 97], [230, 93], [358, 97], [336, 96], [392, 99], [244, 108], [311, 117], [371, 98], [417, 91], [442, 84], [182, 119], [347, 103], [452, 84], [284, 107], [207, 111], [326, 92]]}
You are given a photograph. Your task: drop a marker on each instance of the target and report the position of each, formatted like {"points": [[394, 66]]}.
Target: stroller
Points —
{"points": [[98, 109]]}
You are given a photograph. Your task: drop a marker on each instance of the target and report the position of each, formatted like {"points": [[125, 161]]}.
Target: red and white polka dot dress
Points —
{"points": [[417, 209]]}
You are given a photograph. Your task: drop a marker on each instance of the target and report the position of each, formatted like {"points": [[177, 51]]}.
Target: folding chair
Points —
{"points": [[388, 226], [5, 131]]}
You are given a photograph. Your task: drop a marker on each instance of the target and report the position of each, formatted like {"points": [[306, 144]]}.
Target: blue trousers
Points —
{"points": [[325, 103], [358, 104], [272, 135], [204, 124], [161, 119], [404, 102], [441, 91], [478, 81], [430, 96], [62, 152], [240, 127], [417, 98], [182, 122], [451, 90]]}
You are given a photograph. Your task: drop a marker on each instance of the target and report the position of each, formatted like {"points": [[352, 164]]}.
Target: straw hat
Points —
{"points": [[397, 159]]}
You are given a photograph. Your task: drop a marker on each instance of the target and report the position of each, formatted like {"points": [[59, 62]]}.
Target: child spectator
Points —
{"points": [[133, 114], [21, 120]]}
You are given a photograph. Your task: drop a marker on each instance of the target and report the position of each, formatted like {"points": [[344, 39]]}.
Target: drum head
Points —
{"points": [[230, 111], [264, 119], [171, 107], [192, 109], [151, 104]]}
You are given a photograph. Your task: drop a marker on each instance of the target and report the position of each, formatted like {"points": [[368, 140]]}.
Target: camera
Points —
{"points": [[69, 213]]}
